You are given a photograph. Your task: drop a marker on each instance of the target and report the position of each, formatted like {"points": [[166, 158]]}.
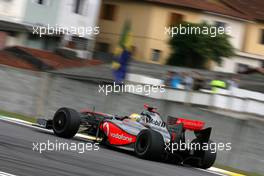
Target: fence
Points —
{"points": [[238, 100]]}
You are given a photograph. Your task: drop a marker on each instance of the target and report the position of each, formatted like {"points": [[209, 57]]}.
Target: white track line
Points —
{"points": [[29, 124], [212, 172], [214, 169], [5, 174], [22, 122]]}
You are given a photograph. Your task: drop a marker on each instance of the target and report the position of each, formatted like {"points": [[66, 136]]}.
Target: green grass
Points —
{"points": [[18, 116], [236, 170]]}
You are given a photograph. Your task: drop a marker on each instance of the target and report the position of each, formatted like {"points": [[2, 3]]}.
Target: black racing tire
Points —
{"points": [[207, 157], [66, 122], [149, 145]]}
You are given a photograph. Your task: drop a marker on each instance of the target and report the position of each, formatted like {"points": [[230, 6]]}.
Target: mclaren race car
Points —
{"points": [[145, 133]]}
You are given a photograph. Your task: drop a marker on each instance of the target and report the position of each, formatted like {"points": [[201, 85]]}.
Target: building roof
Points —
{"points": [[205, 5], [39, 60], [253, 8], [8, 59], [58, 62]]}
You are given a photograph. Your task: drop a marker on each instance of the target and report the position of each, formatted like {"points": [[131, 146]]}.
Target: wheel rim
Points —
{"points": [[59, 121]]}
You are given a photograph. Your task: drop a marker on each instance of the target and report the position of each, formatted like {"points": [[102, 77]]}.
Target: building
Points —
{"points": [[63, 21], [251, 54], [150, 17]]}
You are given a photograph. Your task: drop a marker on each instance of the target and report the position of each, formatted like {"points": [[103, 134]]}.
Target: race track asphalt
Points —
{"points": [[17, 157]]}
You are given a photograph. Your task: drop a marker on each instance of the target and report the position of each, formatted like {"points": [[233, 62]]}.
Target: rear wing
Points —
{"points": [[181, 124], [193, 125]]}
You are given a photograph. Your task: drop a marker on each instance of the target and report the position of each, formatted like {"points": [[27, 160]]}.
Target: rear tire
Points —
{"points": [[66, 122], [149, 145], [207, 157]]}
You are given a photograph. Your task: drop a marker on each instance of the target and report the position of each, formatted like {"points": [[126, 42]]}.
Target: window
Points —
{"points": [[155, 55], [80, 43], [219, 24], [50, 43], [242, 68], [108, 12], [12, 34], [41, 2], [133, 50], [175, 19], [32, 37], [262, 37], [79, 6], [102, 47]]}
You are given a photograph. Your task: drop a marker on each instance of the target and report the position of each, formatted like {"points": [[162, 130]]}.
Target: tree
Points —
{"points": [[202, 44]]}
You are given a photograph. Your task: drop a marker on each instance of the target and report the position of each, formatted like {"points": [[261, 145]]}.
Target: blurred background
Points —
{"points": [[218, 80]]}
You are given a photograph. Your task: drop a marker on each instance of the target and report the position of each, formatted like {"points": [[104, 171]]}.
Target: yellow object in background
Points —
{"points": [[118, 51], [216, 84], [115, 65]]}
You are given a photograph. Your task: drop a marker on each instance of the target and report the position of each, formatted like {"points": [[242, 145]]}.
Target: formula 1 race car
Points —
{"points": [[146, 134]]}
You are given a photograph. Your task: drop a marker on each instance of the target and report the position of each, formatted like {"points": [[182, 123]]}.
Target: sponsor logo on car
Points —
{"points": [[121, 137], [157, 122], [106, 128]]}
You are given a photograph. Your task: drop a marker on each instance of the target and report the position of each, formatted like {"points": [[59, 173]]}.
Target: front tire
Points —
{"points": [[66, 122], [149, 145]]}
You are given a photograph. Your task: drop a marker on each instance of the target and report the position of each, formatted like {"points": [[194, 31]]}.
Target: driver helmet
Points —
{"points": [[135, 117]]}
